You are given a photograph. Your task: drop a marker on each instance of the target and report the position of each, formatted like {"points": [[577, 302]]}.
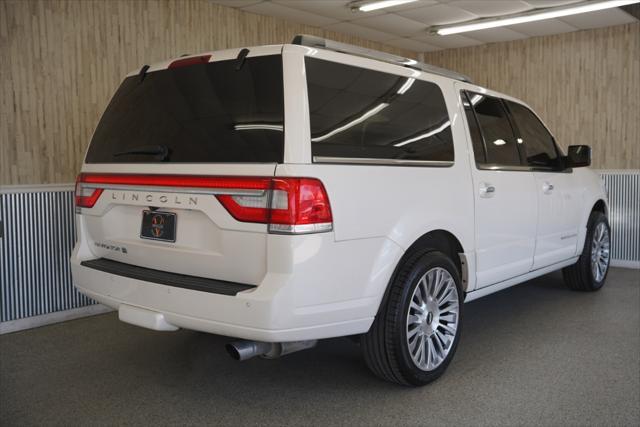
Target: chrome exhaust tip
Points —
{"points": [[245, 350]]}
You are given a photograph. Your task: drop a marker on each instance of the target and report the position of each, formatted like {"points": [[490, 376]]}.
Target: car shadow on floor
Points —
{"points": [[523, 354]]}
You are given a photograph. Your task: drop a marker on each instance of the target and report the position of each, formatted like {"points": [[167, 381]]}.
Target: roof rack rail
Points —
{"points": [[319, 42]]}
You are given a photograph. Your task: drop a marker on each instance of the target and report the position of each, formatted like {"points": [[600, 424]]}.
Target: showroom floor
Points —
{"points": [[534, 354]]}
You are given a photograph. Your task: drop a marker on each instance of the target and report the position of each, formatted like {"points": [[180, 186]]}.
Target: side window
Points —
{"points": [[496, 129], [360, 113], [539, 147], [474, 130]]}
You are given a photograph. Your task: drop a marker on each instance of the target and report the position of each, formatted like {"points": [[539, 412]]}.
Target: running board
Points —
{"points": [[487, 290]]}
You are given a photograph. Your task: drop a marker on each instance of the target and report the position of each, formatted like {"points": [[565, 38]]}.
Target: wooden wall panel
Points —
{"points": [[60, 62], [585, 85]]}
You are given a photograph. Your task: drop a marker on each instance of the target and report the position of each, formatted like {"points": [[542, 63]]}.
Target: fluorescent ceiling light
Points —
{"points": [[424, 135], [375, 5], [476, 99], [375, 110], [258, 126], [406, 86], [534, 16]]}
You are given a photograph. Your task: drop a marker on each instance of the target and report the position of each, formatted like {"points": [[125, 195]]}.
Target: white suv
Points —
{"points": [[286, 194]]}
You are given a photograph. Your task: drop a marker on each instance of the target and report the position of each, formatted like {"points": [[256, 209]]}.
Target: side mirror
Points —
{"points": [[578, 156]]}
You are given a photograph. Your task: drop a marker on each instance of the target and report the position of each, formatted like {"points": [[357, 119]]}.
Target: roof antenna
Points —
{"points": [[143, 72], [242, 56]]}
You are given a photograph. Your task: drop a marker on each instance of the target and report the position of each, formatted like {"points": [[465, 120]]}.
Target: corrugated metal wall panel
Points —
{"points": [[39, 233], [624, 215], [38, 236]]}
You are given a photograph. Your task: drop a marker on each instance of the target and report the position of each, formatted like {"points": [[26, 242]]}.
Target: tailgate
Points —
{"points": [[201, 238]]}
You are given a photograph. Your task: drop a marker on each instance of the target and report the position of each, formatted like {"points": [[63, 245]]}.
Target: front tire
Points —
{"points": [[590, 271], [416, 333]]}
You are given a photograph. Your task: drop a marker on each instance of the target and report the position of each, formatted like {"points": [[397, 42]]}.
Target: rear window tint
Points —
{"points": [[196, 114], [360, 113]]}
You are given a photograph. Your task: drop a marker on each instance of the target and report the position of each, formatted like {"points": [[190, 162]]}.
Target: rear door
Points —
{"points": [[505, 197], [163, 137], [559, 198]]}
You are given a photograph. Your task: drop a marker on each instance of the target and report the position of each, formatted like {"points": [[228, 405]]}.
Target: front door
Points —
{"points": [[506, 206], [559, 198]]}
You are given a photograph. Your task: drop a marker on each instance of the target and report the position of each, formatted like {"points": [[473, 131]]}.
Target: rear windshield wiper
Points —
{"points": [[160, 151]]}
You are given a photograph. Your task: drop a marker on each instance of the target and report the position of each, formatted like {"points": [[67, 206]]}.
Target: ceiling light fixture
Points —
{"points": [[557, 12], [375, 110], [375, 5], [258, 126]]}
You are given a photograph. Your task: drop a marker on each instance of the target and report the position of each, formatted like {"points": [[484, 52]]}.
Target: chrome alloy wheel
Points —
{"points": [[432, 319], [600, 252]]}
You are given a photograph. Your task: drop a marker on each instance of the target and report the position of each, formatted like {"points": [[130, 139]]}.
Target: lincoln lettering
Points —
{"points": [[152, 198]]}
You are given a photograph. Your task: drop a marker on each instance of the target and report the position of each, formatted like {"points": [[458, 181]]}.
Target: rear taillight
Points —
{"points": [[86, 194], [290, 206], [287, 205]]}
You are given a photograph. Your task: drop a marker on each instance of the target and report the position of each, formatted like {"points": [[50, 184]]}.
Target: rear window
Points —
{"points": [[196, 114], [360, 113]]}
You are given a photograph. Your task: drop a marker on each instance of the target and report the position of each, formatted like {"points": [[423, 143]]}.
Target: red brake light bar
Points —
{"points": [[194, 60], [288, 205]]}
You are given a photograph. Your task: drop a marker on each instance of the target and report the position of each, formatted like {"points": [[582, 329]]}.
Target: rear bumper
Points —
{"points": [[315, 288]]}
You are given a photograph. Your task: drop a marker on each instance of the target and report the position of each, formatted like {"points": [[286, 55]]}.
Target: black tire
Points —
{"points": [[385, 346], [579, 276]]}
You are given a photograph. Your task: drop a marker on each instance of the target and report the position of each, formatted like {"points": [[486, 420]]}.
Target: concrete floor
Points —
{"points": [[536, 354]]}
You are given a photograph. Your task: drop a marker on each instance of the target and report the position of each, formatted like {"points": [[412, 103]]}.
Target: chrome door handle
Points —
{"points": [[487, 190], [547, 187]]}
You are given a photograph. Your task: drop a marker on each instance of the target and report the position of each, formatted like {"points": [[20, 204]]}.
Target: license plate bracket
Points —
{"points": [[158, 225]]}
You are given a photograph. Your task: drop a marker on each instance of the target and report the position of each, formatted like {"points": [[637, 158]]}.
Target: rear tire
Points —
{"points": [[590, 271], [416, 333]]}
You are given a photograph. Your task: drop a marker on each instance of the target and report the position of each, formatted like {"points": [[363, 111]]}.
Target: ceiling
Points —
{"points": [[405, 26]]}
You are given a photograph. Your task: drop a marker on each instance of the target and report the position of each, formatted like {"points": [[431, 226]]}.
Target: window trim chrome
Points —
{"points": [[514, 168], [382, 162]]}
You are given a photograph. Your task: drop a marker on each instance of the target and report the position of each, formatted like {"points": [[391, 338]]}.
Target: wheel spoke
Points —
{"points": [[433, 304], [416, 307], [437, 350], [443, 340], [420, 352], [439, 283], [446, 292], [413, 319], [424, 289], [421, 297], [451, 305], [413, 344], [449, 318], [412, 333], [448, 329], [449, 295], [430, 282]]}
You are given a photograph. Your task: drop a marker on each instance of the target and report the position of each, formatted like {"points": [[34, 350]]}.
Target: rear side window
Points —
{"points": [[496, 129], [196, 114], [539, 147], [360, 113]]}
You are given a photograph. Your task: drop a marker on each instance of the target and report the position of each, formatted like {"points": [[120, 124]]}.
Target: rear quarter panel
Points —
{"points": [[399, 203]]}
